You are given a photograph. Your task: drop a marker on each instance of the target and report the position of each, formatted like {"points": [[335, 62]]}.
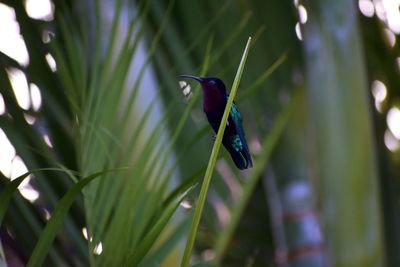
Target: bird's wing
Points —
{"points": [[237, 118], [235, 113]]}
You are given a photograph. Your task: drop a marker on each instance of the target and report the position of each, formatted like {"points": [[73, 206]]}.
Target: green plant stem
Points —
{"points": [[268, 146], [212, 161]]}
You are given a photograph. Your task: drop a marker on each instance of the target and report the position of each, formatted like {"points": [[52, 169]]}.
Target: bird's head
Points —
{"points": [[214, 91], [208, 84]]}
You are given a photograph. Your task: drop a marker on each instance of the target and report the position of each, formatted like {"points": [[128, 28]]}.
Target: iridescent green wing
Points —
{"points": [[235, 114]]}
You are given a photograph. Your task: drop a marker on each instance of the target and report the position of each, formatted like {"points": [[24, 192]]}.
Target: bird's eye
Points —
{"points": [[211, 83]]}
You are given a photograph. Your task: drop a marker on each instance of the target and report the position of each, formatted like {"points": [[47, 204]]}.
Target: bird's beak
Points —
{"points": [[199, 79]]}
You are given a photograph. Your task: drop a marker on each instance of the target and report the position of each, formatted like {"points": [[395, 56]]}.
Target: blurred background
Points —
{"points": [[90, 86]]}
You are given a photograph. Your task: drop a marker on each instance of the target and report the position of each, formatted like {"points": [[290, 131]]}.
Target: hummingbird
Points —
{"points": [[215, 98]]}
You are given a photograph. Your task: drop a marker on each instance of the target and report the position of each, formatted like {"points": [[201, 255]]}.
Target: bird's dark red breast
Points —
{"points": [[213, 95]]}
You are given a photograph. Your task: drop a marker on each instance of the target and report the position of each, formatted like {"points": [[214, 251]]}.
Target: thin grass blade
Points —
{"points": [[8, 192], [268, 145], [153, 234], [46, 238], [212, 161]]}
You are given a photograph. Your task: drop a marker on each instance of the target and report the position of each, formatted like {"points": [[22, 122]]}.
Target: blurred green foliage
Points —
{"points": [[325, 187]]}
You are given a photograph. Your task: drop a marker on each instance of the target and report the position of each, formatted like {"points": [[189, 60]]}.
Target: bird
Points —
{"points": [[215, 98]]}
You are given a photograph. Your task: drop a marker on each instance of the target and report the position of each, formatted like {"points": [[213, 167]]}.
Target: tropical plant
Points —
{"points": [[112, 158]]}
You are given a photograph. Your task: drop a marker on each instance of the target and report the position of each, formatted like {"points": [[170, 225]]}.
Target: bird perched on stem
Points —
{"points": [[215, 98]]}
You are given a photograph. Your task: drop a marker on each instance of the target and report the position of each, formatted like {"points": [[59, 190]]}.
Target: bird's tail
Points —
{"points": [[242, 158]]}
